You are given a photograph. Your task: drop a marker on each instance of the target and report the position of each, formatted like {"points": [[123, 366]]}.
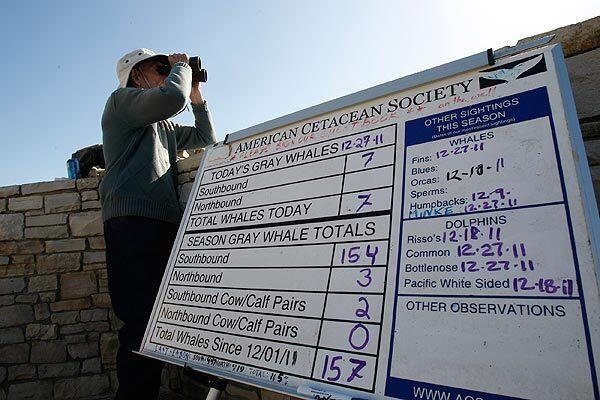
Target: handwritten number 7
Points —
{"points": [[369, 157], [365, 201], [358, 366]]}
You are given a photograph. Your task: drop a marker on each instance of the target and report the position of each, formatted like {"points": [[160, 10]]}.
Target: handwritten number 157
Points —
{"points": [[332, 371]]}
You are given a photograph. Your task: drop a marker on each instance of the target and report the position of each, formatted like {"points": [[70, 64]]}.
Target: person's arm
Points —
{"points": [[201, 134], [142, 107]]}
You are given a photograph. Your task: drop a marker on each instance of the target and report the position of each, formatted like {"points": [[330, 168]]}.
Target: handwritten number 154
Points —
{"points": [[353, 254]]}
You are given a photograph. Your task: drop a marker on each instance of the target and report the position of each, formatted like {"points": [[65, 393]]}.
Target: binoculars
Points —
{"points": [[198, 73]]}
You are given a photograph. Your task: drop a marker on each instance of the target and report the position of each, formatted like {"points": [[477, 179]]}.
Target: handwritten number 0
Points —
{"points": [[365, 340]]}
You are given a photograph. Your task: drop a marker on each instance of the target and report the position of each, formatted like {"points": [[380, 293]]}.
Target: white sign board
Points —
{"points": [[432, 243]]}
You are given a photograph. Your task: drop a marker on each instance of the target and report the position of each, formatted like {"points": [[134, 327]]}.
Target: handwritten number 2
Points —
{"points": [[364, 311]]}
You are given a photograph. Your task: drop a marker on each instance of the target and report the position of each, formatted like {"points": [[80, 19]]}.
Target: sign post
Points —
{"points": [[433, 237]]}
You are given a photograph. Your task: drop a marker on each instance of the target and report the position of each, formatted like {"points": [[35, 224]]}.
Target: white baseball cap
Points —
{"points": [[129, 60]]}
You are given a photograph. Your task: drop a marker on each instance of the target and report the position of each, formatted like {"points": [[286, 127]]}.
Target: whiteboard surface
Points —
{"points": [[430, 243]]}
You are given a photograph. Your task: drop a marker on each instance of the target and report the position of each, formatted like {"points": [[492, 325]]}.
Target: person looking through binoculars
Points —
{"points": [[139, 198]]}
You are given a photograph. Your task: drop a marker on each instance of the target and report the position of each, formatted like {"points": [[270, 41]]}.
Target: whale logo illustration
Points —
{"points": [[512, 71]]}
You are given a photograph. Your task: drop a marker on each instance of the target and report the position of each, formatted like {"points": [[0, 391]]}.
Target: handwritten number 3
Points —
{"points": [[367, 272]]}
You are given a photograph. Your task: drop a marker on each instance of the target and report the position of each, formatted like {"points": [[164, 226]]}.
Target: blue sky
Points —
{"points": [[264, 58]]}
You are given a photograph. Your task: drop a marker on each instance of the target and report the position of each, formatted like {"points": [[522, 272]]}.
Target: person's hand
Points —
{"points": [[178, 57]]}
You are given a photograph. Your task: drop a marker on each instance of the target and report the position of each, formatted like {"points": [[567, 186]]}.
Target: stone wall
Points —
{"points": [[58, 333], [581, 46], [57, 330]]}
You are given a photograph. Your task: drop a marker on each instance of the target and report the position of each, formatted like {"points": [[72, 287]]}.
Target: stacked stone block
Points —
{"points": [[187, 169], [58, 333], [57, 330]]}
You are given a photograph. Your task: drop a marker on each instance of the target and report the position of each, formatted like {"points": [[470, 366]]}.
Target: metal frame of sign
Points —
{"points": [[446, 70], [584, 176]]}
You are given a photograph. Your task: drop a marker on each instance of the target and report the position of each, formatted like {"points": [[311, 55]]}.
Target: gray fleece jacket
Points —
{"points": [[141, 144]]}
